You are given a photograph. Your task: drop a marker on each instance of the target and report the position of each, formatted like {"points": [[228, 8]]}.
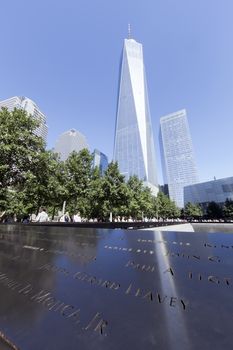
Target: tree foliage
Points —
{"points": [[115, 192], [78, 177], [20, 153], [96, 195], [137, 201], [19, 146], [164, 207], [228, 209], [31, 177], [214, 211], [192, 210]]}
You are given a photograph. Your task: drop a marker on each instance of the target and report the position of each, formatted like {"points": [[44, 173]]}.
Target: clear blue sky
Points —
{"points": [[65, 55]]}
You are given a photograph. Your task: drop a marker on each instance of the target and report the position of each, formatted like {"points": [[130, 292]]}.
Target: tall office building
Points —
{"points": [[31, 108], [179, 167], [134, 145], [100, 160], [69, 141]]}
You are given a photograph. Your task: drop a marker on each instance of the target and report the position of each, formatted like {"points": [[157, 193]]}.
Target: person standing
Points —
{"points": [[77, 217], [42, 216], [65, 217]]}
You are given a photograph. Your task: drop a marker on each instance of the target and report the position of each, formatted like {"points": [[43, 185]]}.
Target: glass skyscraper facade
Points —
{"points": [[100, 160], [179, 166], [134, 145], [31, 108], [69, 141]]}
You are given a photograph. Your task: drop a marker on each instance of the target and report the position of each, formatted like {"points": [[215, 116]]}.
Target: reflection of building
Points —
{"points": [[164, 189], [100, 160], [69, 141], [134, 145], [211, 191], [179, 166], [31, 108]]}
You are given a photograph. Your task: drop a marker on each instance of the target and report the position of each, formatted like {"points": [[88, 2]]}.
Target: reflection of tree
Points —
{"points": [[82, 243], [23, 251], [21, 265]]}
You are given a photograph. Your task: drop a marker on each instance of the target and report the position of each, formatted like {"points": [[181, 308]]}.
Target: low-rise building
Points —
{"points": [[211, 191]]}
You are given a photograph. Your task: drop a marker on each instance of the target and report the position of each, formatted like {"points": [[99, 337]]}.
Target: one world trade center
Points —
{"points": [[134, 144]]}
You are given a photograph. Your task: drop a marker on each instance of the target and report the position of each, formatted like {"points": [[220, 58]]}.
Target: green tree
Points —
{"points": [[19, 146], [96, 195], [20, 150], [193, 210], [79, 170], [147, 202], [115, 192], [44, 185], [164, 207], [135, 188], [214, 211], [140, 202], [228, 209], [30, 176], [174, 210]]}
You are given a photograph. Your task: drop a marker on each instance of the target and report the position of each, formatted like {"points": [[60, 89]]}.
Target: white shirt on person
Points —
{"points": [[77, 218], [42, 216]]}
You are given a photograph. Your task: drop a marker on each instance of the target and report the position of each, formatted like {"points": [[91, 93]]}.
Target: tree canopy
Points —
{"points": [[228, 209], [32, 177], [214, 210], [193, 210], [165, 208]]}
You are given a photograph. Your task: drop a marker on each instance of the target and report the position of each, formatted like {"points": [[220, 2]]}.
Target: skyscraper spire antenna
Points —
{"points": [[129, 31]]}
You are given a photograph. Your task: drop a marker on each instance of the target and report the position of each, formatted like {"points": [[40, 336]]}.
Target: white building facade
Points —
{"points": [[31, 108], [179, 166], [69, 141], [134, 144]]}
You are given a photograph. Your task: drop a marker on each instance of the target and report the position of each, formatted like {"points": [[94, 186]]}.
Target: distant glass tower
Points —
{"points": [[100, 160], [31, 108], [69, 141], [179, 167], [134, 145]]}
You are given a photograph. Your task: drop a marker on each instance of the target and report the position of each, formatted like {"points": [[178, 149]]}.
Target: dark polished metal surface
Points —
{"points": [[106, 225], [78, 288]]}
